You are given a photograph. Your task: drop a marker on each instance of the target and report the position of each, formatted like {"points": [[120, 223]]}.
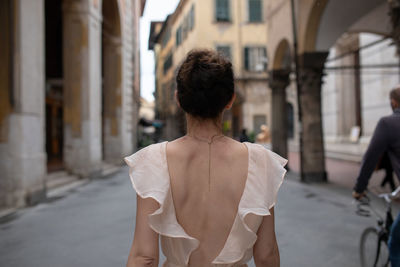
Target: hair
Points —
{"points": [[395, 94], [205, 83]]}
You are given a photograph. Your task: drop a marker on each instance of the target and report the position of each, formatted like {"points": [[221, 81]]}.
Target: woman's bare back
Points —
{"points": [[206, 208]]}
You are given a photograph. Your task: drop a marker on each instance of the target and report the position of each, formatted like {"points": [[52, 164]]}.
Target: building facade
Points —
{"points": [[329, 65], [348, 57], [69, 90], [235, 29]]}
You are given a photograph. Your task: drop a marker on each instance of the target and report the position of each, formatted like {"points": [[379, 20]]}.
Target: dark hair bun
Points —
{"points": [[205, 83]]}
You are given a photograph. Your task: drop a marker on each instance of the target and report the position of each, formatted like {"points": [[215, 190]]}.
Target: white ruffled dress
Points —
{"points": [[150, 178]]}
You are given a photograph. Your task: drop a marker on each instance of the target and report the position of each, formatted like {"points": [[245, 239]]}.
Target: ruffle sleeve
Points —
{"points": [[266, 173], [147, 172], [275, 174]]}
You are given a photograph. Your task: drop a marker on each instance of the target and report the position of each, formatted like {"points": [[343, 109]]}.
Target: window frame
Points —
{"points": [[261, 19], [168, 62], [218, 46], [246, 58], [192, 17], [178, 36], [228, 19]]}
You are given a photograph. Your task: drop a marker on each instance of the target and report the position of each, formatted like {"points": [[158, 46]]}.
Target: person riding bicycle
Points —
{"points": [[386, 138]]}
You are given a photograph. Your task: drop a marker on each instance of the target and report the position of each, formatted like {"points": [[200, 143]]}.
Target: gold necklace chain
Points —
{"points": [[209, 142]]}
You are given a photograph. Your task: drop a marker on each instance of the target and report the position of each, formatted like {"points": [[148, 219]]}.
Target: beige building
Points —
{"points": [[236, 29], [69, 90]]}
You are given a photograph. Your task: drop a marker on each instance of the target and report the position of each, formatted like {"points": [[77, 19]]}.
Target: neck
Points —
{"points": [[204, 129]]}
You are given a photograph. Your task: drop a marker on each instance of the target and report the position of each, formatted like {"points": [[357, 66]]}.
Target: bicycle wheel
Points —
{"points": [[373, 251]]}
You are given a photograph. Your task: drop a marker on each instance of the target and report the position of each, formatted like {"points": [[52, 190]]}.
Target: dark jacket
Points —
{"points": [[386, 138]]}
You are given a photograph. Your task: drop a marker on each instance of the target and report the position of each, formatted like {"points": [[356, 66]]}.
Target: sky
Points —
{"points": [[154, 10]]}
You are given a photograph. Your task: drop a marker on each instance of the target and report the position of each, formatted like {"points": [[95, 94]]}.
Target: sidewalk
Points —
{"points": [[343, 173]]}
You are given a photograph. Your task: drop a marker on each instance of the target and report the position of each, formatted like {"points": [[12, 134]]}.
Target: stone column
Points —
{"points": [[394, 12], [313, 153], [278, 81], [22, 155], [112, 99], [82, 88]]}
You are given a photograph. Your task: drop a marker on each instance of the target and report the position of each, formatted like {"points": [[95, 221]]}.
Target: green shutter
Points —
{"points": [[222, 10], [192, 17], [246, 58], [266, 57], [255, 10]]}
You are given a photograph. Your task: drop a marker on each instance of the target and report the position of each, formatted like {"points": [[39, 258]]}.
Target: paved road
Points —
{"points": [[93, 226]]}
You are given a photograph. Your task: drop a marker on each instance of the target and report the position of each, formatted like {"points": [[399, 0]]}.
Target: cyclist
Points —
{"points": [[386, 138]]}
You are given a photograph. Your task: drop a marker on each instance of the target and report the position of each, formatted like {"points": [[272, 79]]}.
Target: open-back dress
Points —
{"points": [[150, 178]]}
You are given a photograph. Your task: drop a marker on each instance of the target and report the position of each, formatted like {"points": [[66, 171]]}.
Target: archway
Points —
{"points": [[282, 56], [323, 28], [278, 81], [111, 81], [320, 32], [54, 85]]}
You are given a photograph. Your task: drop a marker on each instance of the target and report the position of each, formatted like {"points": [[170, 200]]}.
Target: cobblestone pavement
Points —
{"points": [[93, 226]]}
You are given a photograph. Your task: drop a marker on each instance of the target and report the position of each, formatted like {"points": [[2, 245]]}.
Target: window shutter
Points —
{"points": [[246, 58], [265, 58], [222, 10], [225, 9], [225, 50], [192, 18], [255, 10]]}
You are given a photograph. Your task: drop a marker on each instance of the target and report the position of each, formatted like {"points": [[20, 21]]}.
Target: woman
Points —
{"points": [[209, 197]]}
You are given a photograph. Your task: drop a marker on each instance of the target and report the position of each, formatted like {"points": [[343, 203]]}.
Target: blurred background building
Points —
{"points": [[347, 64], [69, 90], [236, 29], [342, 56]]}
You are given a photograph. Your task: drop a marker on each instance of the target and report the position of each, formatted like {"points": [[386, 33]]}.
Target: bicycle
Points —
{"points": [[374, 250]]}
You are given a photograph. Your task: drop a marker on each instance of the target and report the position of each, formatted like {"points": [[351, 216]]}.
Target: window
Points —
{"points": [[255, 10], [191, 18], [225, 50], [166, 37], [179, 36], [167, 63], [222, 12], [185, 27], [255, 59]]}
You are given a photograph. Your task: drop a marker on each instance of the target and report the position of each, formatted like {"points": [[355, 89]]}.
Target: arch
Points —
{"points": [[313, 22], [282, 56], [323, 27], [111, 17]]}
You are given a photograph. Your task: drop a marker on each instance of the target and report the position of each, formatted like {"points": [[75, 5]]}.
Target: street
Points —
{"points": [[92, 225]]}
